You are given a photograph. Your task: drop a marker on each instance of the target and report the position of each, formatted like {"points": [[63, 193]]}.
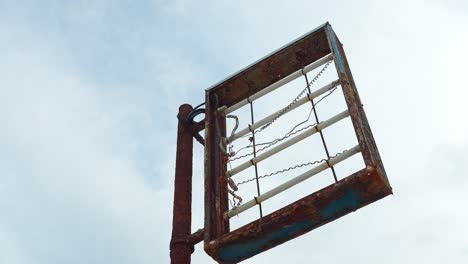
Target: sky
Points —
{"points": [[89, 93]]}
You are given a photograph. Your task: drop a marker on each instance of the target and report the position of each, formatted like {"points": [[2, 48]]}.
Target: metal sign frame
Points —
{"points": [[347, 195]]}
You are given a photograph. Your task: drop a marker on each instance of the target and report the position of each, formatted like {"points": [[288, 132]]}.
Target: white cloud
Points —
{"points": [[87, 161], [70, 180]]}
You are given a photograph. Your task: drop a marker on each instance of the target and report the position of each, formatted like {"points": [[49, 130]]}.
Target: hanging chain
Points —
{"points": [[237, 200], [293, 102], [271, 143], [292, 168], [287, 135], [317, 120]]}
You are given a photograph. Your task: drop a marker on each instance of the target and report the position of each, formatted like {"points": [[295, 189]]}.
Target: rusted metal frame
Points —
{"points": [[216, 192], [196, 237], [369, 184], [222, 197], [247, 82], [361, 126], [303, 51], [195, 128], [209, 168], [289, 59], [300, 217], [199, 138], [198, 126]]}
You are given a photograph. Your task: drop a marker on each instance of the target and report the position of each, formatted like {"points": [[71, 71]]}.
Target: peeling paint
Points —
{"points": [[338, 59], [314, 210], [349, 201], [239, 251]]}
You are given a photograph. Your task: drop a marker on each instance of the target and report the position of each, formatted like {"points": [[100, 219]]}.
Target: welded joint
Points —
{"points": [[196, 237], [181, 240], [199, 138], [190, 241]]}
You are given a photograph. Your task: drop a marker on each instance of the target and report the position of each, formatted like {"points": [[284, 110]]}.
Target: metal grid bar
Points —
{"points": [[347, 195], [304, 176], [255, 155], [283, 111], [288, 143], [317, 121], [276, 85]]}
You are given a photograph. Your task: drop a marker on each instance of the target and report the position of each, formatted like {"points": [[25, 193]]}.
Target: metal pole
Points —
{"points": [[181, 247]]}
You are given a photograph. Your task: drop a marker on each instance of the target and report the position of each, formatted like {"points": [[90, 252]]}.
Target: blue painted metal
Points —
{"points": [[349, 201], [240, 251], [319, 208], [336, 52]]}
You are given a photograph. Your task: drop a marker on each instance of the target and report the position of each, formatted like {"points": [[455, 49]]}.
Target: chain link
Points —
{"points": [[293, 167], [295, 99], [287, 135], [271, 143]]}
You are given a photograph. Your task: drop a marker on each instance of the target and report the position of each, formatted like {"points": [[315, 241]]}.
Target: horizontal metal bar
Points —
{"points": [[196, 237], [304, 176], [309, 132], [277, 84], [269, 55], [284, 110]]}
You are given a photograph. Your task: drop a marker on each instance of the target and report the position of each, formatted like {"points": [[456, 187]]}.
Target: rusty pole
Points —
{"points": [[181, 247]]}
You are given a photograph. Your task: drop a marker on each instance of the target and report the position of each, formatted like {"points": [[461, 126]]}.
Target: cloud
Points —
{"points": [[89, 93], [72, 185]]}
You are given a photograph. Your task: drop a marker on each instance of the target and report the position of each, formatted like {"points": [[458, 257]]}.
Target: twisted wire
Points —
{"points": [[287, 135], [295, 99], [293, 167], [271, 143]]}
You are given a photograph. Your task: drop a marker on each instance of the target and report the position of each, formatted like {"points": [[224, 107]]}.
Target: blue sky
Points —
{"points": [[89, 92]]}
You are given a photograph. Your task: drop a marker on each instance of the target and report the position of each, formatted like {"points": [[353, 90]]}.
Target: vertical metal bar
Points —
{"points": [[180, 246], [221, 198], [255, 155], [317, 121], [359, 120]]}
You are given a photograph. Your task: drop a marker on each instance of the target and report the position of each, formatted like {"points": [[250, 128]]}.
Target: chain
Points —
{"points": [[271, 143], [295, 99], [287, 135], [293, 167]]}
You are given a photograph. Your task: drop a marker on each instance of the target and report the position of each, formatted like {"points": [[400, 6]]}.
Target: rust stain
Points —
{"points": [[345, 196]]}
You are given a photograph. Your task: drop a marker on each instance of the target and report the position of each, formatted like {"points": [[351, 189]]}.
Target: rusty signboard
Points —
{"points": [[363, 187]]}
